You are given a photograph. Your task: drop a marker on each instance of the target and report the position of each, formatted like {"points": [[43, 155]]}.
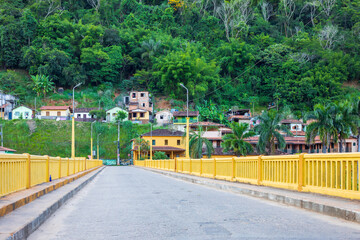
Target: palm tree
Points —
{"points": [[323, 126], [197, 142], [144, 145], [269, 131], [149, 49], [235, 141], [345, 121], [42, 83]]}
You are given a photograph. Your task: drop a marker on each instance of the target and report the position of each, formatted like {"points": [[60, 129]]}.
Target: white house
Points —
{"points": [[111, 114], [22, 112], [163, 117], [83, 114]]}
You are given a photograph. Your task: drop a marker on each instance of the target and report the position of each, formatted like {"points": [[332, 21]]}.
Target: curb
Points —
{"points": [[30, 227], [25, 200], [333, 211]]}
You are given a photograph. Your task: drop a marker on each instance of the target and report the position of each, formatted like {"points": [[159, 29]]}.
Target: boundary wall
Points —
{"points": [[335, 174], [22, 171]]}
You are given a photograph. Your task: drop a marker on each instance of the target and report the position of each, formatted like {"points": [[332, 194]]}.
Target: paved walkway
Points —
{"points": [[132, 203]]}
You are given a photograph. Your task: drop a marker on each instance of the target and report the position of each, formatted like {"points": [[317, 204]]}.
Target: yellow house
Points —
{"points": [[55, 112], [163, 140], [141, 116]]}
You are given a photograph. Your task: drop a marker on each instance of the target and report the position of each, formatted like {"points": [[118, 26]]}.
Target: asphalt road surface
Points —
{"points": [[132, 203]]}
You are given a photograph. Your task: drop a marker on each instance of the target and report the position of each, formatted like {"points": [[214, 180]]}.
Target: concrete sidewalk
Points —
{"points": [[24, 215], [332, 206]]}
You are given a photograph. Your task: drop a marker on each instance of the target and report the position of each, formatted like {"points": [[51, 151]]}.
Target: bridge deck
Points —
{"points": [[131, 203]]}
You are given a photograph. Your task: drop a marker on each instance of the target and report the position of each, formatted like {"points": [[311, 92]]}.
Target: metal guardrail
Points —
{"points": [[335, 174], [21, 171]]}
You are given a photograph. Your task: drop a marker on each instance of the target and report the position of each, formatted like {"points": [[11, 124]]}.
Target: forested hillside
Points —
{"points": [[233, 52]]}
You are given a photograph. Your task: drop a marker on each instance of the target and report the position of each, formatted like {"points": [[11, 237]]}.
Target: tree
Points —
{"points": [[42, 84], [160, 155], [144, 145], [99, 114], [323, 125], [328, 36], [120, 116], [197, 142], [327, 6], [236, 140], [269, 131], [345, 122]]}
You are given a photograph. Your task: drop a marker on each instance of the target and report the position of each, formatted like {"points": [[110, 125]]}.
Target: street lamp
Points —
{"points": [[98, 154], [73, 124], [151, 142], [187, 152], [92, 140], [118, 144]]}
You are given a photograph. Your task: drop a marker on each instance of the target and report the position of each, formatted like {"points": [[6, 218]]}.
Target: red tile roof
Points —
{"points": [[54, 107], [164, 133], [295, 121], [212, 124], [184, 114], [7, 149], [162, 148]]}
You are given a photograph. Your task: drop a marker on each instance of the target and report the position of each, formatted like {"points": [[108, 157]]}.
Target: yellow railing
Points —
{"points": [[336, 174], [21, 171]]}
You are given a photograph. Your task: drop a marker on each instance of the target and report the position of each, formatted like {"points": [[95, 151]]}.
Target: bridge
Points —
{"points": [[195, 199]]}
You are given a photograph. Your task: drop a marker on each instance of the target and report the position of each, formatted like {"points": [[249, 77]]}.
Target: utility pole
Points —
{"points": [[2, 135], [187, 152], [118, 145]]}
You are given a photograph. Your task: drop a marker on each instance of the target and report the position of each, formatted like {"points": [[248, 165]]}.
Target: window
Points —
{"points": [[134, 114], [114, 114], [142, 115], [17, 113], [153, 142], [218, 144], [133, 95], [354, 144], [166, 142], [142, 94], [161, 116], [178, 142], [144, 104], [58, 114], [177, 155], [79, 115], [150, 104], [47, 114], [84, 116]]}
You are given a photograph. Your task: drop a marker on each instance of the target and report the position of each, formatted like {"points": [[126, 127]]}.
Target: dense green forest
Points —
{"points": [[235, 52]]}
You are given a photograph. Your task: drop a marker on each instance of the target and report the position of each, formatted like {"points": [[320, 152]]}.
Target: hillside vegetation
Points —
{"points": [[47, 137], [235, 52]]}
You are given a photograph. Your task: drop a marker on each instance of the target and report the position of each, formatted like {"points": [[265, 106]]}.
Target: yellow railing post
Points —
{"points": [[233, 168], [47, 170], [260, 172], [201, 166], [301, 172], [59, 166], [214, 168], [28, 170], [68, 166], [74, 162], [175, 163], [79, 161], [190, 166]]}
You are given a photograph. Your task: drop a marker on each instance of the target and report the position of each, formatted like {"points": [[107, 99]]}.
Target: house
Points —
{"points": [[7, 103], [83, 114], [23, 113], [140, 107], [179, 119], [55, 112], [163, 140], [240, 116], [163, 117], [112, 113], [6, 150]]}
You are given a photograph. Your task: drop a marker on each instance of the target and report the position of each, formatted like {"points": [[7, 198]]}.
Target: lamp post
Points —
{"points": [[187, 152], [73, 125], [92, 153], [118, 145], [151, 141], [98, 154]]}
